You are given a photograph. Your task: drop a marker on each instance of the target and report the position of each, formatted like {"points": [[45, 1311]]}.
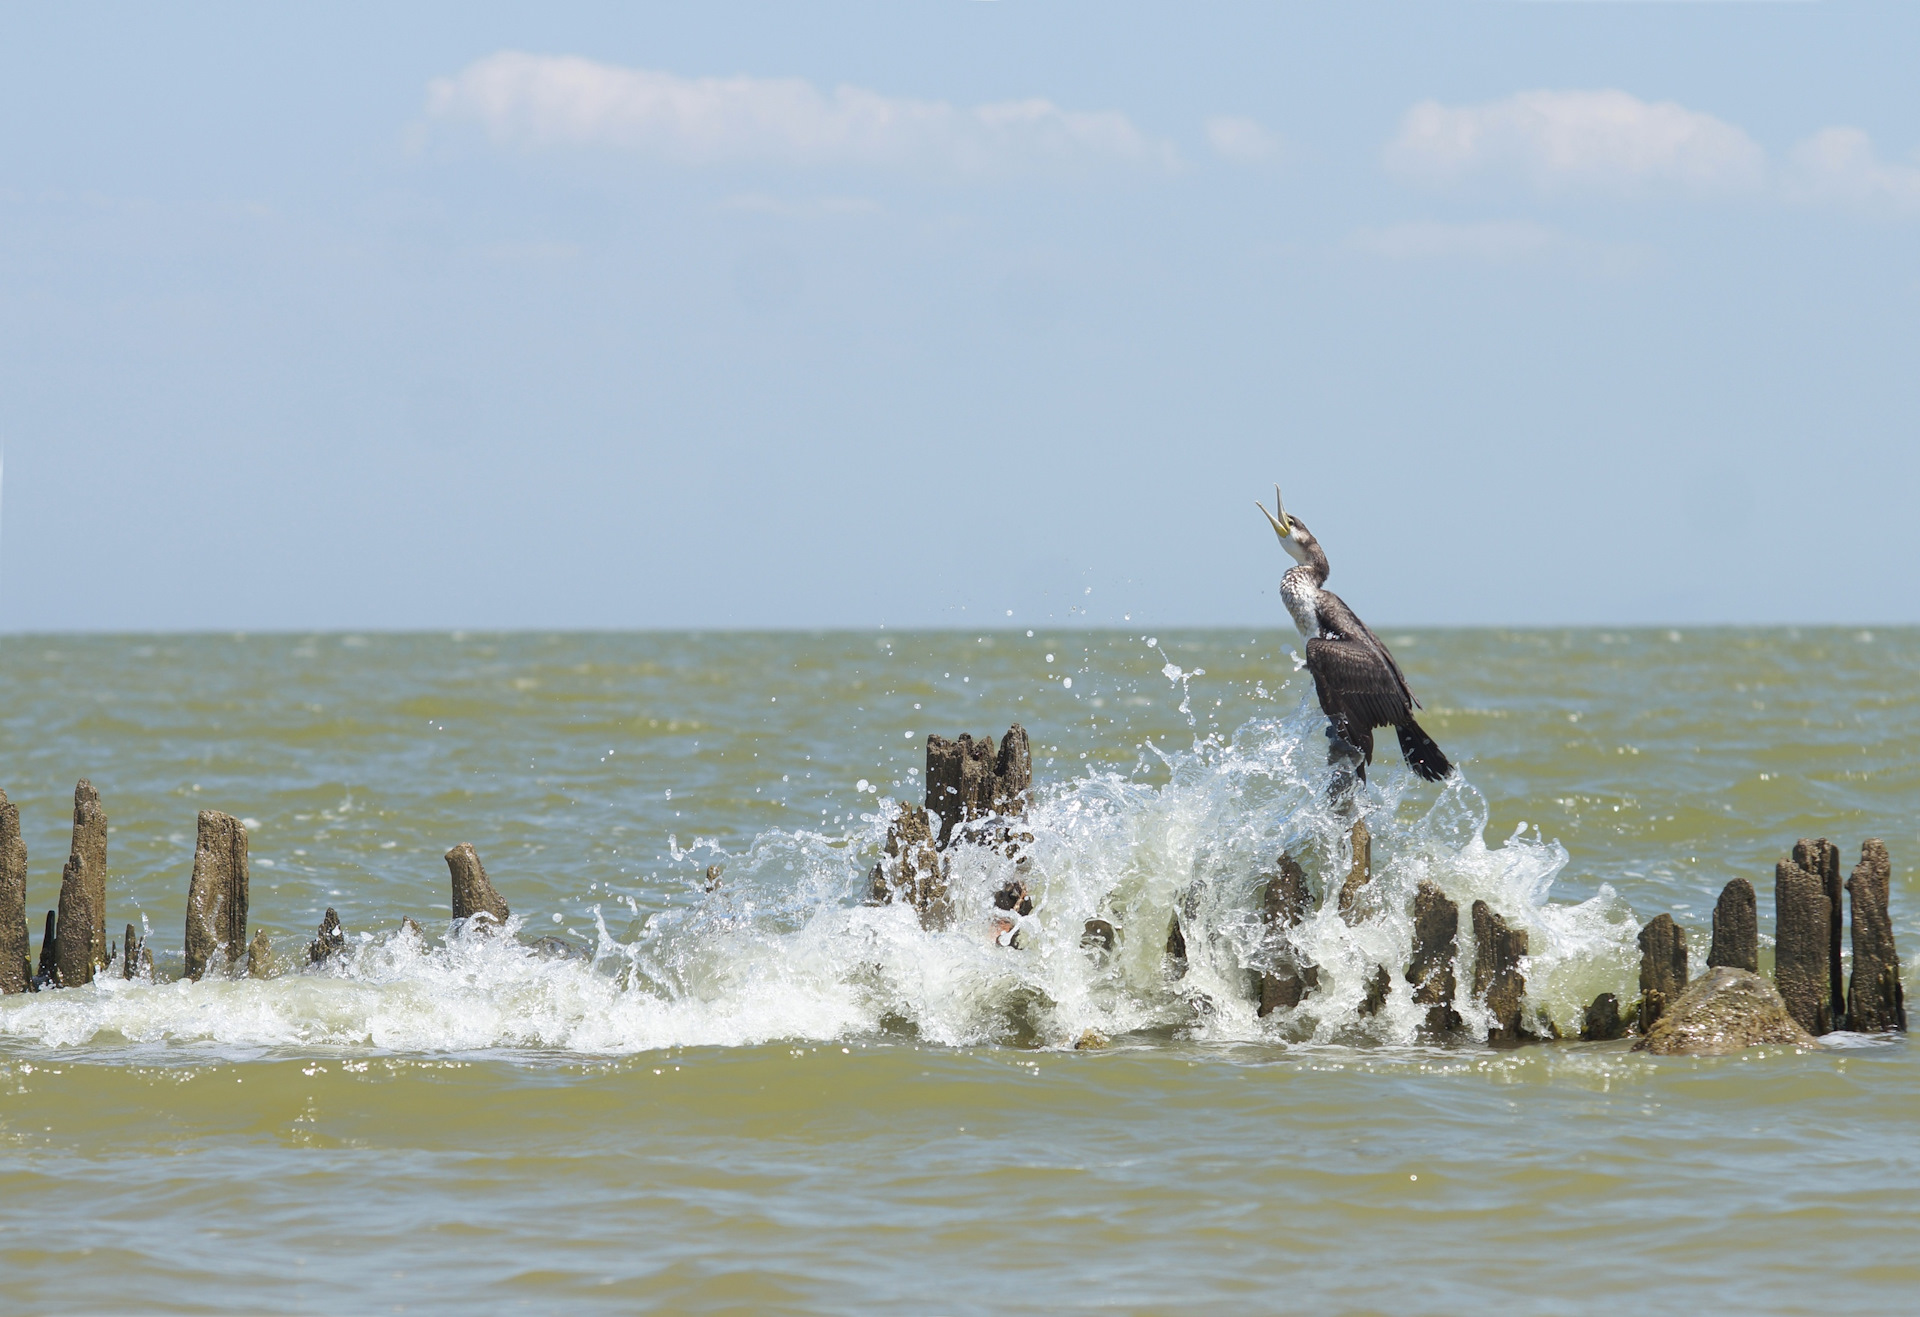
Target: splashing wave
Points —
{"points": [[785, 949]]}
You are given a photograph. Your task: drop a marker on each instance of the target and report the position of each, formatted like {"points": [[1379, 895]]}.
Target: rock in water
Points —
{"points": [[260, 956], [1436, 931], [1497, 979], [1877, 1003], [1800, 945], [1284, 908], [473, 895], [217, 894], [1727, 1010], [1603, 1023], [1663, 968], [1736, 928], [329, 941], [1359, 874], [83, 892], [16, 943]]}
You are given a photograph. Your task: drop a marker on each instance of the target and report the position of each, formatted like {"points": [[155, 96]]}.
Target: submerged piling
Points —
{"points": [[217, 894], [1359, 872], [16, 944], [1736, 928], [82, 938], [1663, 968], [1876, 1003], [1602, 1023], [47, 973], [473, 895], [1436, 931], [1802, 949]]}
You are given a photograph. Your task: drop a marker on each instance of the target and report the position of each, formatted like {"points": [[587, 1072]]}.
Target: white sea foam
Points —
{"points": [[786, 950]]}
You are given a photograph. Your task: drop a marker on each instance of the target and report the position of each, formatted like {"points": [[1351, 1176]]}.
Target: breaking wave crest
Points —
{"points": [[785, 949]]}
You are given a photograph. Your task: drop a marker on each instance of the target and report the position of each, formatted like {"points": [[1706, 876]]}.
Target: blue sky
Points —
{"points": [[822, 315]]}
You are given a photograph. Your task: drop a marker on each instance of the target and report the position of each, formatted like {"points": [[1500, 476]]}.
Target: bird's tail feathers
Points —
{"points": [[1424, 757]]}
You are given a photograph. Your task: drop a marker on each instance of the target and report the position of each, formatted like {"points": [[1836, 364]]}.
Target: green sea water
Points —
{"points": [[771, 1097]]}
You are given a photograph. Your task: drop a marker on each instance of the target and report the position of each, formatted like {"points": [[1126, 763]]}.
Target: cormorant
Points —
{"points": [[1359, 684]]}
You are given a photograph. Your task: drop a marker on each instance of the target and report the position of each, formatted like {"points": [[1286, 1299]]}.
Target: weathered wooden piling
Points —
{"points": [[16, 943], [910, 869], [967, 780], [473, 895], [1359, 872], [217, 894], [1497, 978], [1663, 968], [1436, 932], [1877, 1002], [1603, 1023], [1801, 946], [1284, 908], [329, 941], [82, 938], [1736, 928], [1821, 858]]}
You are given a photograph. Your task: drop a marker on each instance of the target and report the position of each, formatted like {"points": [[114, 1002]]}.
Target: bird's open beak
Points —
{"points": [[1282, 524]]}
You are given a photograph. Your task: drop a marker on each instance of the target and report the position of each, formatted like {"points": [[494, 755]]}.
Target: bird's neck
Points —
{"points": [[1300, 591]]}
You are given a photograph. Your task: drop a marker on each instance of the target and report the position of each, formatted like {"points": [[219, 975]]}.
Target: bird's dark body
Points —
{"points": [[1359, 684]]}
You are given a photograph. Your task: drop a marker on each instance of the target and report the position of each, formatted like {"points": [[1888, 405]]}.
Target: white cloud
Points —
{"points": [[1838, 166], [1236, 138], [537, 101], [1598, 141], [1495, 242]]}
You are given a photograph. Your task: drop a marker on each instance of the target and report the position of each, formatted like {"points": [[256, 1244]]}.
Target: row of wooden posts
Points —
{"points": [[74, 948], [977, 794]]}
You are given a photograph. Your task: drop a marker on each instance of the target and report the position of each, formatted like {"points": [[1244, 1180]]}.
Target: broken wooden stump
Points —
{"points": [[260, 956], [1663, 968], [1603, 1023], [16, 943], [1359, 872], [47, 974], [82, 937], [969, 784], [136, 962], [1725, 1010], [1801, 945], [217, 894], [968, 780], [1736, 928], [1436, 932], [473, 896], [329, 941], [1876, 1002], [1285, 908], [1497, 978]]}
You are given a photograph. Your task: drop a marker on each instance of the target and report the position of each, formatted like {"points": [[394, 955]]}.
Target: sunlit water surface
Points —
{"points": [[772, 1097]]}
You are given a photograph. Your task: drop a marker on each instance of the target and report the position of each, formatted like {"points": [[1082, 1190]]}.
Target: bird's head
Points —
{"points": [[1295, 538]]}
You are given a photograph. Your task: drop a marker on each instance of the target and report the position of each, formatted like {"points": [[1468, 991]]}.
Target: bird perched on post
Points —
{"points": [[1359, 684]]}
